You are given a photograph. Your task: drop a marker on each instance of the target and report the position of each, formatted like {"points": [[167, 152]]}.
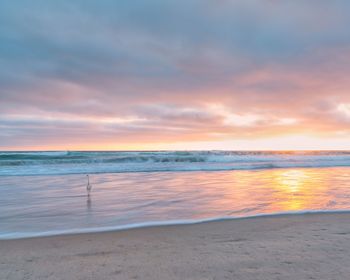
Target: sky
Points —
{"points": [[178, 75]]}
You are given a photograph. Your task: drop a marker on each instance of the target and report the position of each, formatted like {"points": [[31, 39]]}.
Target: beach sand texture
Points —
{"points": [[309, 246]]}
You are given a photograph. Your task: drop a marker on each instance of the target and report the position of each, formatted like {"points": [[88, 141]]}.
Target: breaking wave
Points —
{"points": [[73, 162]]}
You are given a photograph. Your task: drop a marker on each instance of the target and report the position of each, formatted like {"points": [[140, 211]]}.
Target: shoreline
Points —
{"points": [[284, 246], [155, 224]]}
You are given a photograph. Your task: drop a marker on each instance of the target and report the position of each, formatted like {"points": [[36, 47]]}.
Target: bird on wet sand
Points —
{"points": [[88, 186]]}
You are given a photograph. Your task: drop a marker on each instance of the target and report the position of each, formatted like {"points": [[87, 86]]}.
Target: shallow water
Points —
{"points": [[44, 205]]}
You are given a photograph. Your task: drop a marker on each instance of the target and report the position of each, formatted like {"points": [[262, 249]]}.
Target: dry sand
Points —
{"points": [[312, 246]]}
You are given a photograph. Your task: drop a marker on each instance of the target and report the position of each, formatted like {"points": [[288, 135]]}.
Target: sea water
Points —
{"points": [[44, 193]]}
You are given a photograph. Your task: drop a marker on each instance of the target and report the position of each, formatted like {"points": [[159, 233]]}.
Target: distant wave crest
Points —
{"points": [[70, 162]]}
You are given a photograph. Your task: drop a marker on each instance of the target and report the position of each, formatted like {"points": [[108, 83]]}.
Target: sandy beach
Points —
{"points": [[310, 246]]}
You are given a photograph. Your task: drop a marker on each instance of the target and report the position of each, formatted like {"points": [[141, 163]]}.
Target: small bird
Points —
{"points": [[88, 186]]}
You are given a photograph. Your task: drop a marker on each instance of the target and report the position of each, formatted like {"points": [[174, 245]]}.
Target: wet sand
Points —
{"points": [[310, 246]]}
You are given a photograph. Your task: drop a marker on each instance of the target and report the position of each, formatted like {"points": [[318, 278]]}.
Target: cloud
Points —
{"points": [[172, 70]]}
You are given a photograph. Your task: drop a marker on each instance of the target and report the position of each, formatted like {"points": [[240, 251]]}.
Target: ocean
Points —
{"points": [[44, 193]]}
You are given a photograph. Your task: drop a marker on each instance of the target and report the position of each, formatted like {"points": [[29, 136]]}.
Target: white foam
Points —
{"points": [[21, 235]]}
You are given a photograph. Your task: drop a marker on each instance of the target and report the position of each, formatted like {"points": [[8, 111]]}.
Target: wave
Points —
{"points": [[27, 158], [73, 162]]}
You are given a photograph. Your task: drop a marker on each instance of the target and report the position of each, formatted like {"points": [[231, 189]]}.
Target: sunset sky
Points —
{"points": [[161, 74]]}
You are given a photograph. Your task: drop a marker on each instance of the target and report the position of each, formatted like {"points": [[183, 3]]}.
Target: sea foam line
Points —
{"points": [[22, 235]]}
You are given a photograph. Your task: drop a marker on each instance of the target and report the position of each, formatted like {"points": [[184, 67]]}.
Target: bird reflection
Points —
{"points": [[88, 204]]}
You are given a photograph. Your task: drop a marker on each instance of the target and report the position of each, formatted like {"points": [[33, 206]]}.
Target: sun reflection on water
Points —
{"points": [[241, 193], [298, 189]]}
